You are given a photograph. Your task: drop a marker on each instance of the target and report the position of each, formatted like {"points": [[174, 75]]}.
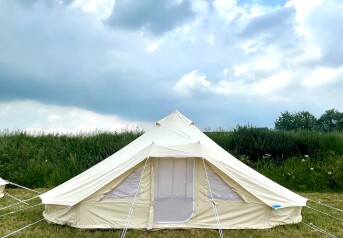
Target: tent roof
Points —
{"points": [[173, 136], [3, 182]]}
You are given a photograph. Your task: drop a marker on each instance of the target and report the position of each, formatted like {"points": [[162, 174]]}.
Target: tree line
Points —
{"points": [[330, 121]]}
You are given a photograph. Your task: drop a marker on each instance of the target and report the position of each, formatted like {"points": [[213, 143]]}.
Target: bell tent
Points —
{"points": [[2, 187], [173, 176]]}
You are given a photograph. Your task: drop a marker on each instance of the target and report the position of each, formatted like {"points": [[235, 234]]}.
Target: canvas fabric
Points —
{"points": [[2, 187], [245, 211], [81, 201]]}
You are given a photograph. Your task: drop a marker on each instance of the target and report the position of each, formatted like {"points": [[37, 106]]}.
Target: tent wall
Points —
{"points": [[2, 188], [244, 213], [98, 212]]}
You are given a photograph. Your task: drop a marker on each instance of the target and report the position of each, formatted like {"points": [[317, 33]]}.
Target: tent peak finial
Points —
{"points": [[175, 116]]}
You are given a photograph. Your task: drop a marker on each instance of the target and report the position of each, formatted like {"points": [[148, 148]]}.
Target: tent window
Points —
{"points": [[220, 189], [174, 190], [127, 188]]}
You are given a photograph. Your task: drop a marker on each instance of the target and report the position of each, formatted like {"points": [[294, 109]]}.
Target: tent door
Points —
{"points": [[174, 190]]}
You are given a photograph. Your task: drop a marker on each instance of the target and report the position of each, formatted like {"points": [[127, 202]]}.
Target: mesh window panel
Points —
{"points": [[127, 188], [220, 189], [174, 186]]}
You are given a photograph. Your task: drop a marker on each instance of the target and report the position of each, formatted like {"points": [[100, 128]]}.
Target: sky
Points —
{"points": [[84, 65]]}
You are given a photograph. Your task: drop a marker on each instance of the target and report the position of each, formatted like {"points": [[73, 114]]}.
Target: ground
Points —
{"points": [[12, 222]]}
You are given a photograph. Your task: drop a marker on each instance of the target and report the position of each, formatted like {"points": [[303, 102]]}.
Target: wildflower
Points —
{"points": [[312, 168], [293, 177], [288, 174], [329, 173], [306, 156], [46, 160], [266, 156], [303, 160]]}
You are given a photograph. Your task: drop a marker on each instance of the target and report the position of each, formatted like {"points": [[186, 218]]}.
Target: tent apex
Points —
{"points": [[175, 116]]}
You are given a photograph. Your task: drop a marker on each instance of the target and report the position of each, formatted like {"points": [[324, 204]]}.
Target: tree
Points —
{"points": [[302, 120], [305, 121], [285, 122], [331, 120]]}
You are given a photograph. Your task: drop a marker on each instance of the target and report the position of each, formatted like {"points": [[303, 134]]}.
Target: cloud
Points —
{"points": [[102, 9], [268, 87], [189, 83], [140, 60], [37, 117], [321, 36], [78, 63], [279, 20], [325, 34], [152, 47], [273, 3], [157, 17], [50, 3], [323, 76]]}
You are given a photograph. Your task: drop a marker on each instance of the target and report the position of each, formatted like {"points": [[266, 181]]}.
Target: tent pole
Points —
{"points": [[212, 201], [123, 234]]}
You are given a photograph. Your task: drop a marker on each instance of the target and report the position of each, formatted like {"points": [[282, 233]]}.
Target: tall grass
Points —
{"points": [[302, 161], [258, 142], [48, 160]]}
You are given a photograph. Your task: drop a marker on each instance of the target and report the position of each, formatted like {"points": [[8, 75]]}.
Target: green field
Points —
{"points": [[309, 163], [302, 161], [43, 229]]}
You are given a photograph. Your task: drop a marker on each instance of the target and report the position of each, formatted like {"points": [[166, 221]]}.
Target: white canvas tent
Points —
{"points": [[173, 176], [2, 187]]}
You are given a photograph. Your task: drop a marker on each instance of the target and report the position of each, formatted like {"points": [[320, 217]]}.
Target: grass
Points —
{"points": [[302, 161], [15, 221], [48, 160]]}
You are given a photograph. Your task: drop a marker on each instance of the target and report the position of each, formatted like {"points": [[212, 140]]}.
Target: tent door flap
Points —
{"points": [[174, 190]]}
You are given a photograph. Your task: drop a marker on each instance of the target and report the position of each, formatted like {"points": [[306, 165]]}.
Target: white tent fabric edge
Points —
{"points": [[2, 187]]}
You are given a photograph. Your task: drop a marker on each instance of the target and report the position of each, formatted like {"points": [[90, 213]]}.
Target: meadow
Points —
{"points": [[43, 229], [309, 163], [302, 161]]}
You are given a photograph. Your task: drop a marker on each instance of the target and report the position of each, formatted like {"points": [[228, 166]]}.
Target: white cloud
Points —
{"points": [[268, 63], [268, 86], [226, 87], [241, 69], [37, 117], [272, 84], [225, 72], [323, 76], [241, 52], [227, 8], [53, 117], [190, 83], [101, 8], [249, 46], [311, 53], [153, 47], [210, 39], [303, 10]]}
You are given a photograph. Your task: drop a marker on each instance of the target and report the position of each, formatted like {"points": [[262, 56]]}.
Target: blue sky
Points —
{"points": [[85, 64]]}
